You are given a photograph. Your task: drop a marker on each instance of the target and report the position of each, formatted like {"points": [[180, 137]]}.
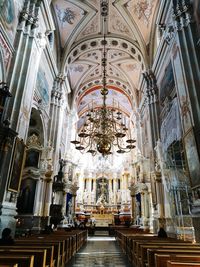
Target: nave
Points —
{"points": [[99, 251], [99, 128]]}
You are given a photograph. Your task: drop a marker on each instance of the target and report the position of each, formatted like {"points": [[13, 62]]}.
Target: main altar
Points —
{"points": [[102, 220], [105, 200]]}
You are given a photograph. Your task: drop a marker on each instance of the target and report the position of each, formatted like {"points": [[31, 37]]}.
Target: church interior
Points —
{"points": [[100, 132]]}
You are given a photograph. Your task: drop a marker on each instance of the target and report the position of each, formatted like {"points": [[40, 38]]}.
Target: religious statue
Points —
{"points": [[102, 193], [160, 156], [101, 200]]}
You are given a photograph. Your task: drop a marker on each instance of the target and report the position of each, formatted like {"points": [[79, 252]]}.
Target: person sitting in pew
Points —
{"points": [[6, 238], [47, 230], [162, 233]]}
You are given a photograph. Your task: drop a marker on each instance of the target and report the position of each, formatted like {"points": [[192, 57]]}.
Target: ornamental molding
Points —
{"points": [[34, 142]]}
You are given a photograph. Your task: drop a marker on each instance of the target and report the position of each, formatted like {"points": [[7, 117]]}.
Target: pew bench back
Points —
{"points": [[39, 254], [151, 253], [182, 264], [162, 259], [17, 260]]}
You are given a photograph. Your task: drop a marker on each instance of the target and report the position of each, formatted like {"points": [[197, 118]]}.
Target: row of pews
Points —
{"points": [[148, 250], [44, 250]]}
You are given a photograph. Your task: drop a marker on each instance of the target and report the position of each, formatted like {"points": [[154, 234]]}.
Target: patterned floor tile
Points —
{"points": [[99, 252]]}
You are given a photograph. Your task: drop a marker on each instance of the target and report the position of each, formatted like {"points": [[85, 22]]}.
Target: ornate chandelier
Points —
{"points": [[104, 128]]}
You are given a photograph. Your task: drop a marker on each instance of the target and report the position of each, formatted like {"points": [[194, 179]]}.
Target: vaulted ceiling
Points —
{"points": [[129, 32]]}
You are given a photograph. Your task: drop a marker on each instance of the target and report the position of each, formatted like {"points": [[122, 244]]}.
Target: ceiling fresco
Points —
{"points": [[127, 30]]}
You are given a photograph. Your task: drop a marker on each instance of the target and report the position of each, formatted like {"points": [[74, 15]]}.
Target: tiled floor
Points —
{"points": [[100, 251]]}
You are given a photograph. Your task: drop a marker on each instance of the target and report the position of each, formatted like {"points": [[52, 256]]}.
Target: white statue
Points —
{"points": [[101, 200], [103, 191], [159, 154]]}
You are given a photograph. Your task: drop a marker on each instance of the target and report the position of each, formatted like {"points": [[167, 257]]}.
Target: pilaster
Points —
{"points": [[21, 79], [133, 204], [187, 40]]}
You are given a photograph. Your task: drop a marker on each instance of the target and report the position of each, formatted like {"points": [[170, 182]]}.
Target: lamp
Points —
{"points": [[104, 128]]}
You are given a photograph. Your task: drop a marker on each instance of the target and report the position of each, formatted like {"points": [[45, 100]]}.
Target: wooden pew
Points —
{"points": [[74, 239], [143, 248], [10, 265], [173, 251], [146, 240], [182, 264], [162, 259], [17, 260], [70, 244], [46, 241], [49, 249], [65, 244], [126, 241], [39, 254]]}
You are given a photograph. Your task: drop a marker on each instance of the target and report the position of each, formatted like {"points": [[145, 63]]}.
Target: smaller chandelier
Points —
{"points": [[104, 128]]}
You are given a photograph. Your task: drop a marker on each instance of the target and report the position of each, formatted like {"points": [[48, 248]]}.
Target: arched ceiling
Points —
{"points": [[129, 29]]}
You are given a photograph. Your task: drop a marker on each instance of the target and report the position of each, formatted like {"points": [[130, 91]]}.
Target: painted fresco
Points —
{"points": [[5, 52], [167, 84], [185, 109], [76, 72], [192, 159], [113, 98], [143, 12], [43, 86], [9, 10], [68, 16]]}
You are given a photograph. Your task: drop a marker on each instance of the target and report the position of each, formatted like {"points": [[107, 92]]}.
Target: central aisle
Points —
{"points": [[99, 252]]}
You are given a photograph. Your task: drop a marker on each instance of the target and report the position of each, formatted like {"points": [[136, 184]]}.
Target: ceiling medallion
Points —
{"points": [[105, 129]]}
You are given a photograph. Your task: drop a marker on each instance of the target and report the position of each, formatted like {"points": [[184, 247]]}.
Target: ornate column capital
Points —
{"points": [[157, 175], [151, 87], [132, 190]]}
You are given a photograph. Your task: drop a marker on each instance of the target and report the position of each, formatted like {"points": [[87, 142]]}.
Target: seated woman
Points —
{"points": [[6, 238], [162, 233]]}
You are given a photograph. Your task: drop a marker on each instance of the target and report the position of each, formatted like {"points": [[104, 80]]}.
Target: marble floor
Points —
{"points": [[100, 251]]}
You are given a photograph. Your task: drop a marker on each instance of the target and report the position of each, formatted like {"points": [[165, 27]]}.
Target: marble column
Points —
{"points": [[187, 39], [95, 189], [24, 66], [115, 190], [21, 82], [150, 110], [54, 131], [145, 207], [152, 104], [74, 190], [64, 202], [39, 196], [186, 51], [89, 190], [48, 182], [160, 197], [110, 189], [133, 204]]}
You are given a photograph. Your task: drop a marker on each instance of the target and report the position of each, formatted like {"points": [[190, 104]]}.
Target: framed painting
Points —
{"points": [[167, 83], [192, 158], [17, 165], [32, 158]]}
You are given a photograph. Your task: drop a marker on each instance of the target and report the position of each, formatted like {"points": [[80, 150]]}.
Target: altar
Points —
{"points": [[103, 220]]}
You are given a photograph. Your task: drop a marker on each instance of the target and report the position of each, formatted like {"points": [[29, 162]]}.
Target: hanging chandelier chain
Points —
{"points": [[104, 128]]}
